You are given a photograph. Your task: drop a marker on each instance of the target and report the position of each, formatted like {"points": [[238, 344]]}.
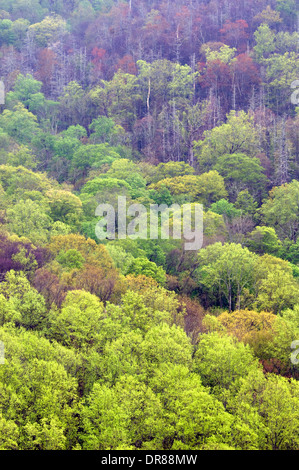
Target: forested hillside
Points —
{"points": [[138, 343]]}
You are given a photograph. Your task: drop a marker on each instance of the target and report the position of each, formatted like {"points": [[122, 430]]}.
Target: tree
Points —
{"points": [[221, 361], [234, 34], [93, 253], [64, 207], [225, 208], [47, 392], [94, 278], [179, 348], [140, 311], [169, 170], [28, 219], [237, 135], [268, 17], [256, 329], [6, 32], [241, 172], [264, 240], [123, 356], [19, 28], [20, 255], [71, 259], [280, 210], [118, 99], [281, 72], [163, 81], [128, 171], [224, 54], [77, 324], [148, 268], [287, 10], [195, 418], [9, 434], [211, 187], [88, 156], [205, 188], [245, 77], [16, 181], [121, 259], [72, 104], [246, 203], [25, 306], [49, 29], [276, 287], [273, 400], [47, 60], [104, 130], [228, 268], [19, 123], [265, 42], [23, 156], [112, 418], [25, 90]]}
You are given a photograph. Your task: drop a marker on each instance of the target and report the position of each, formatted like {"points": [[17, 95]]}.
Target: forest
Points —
{"points": [[133, 343]]}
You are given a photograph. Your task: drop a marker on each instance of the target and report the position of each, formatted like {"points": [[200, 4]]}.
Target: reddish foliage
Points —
{"points": [[98, 281], [8, 250], [246, 72], [45, 68], [98, 55], [47, 284], [127, 65], [266, 164], [234, 34], [193, 318], [275, 366], [217, 76]]}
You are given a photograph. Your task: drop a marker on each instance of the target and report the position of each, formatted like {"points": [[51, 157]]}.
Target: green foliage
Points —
{"points": [[241, 172], [236, 136], [36, 394], [246, 203], [222, 361], [104, 130], [26, 90], [70, 259], [225, 208], [225, 54], [122, 259], [23, 156], [264, 240], [142, 311], [16, 181], [6, 32], [48, 30], [270, 402], [108, 415], [64, 206], [28, 219], [139, 344], [277, 287], [171, 170], [206, 188], [228, 269], [265, 42], [88, 156], [148, 268], [78, 322], [280, 210], [19, 123], [282, 71], [20, 303]]}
